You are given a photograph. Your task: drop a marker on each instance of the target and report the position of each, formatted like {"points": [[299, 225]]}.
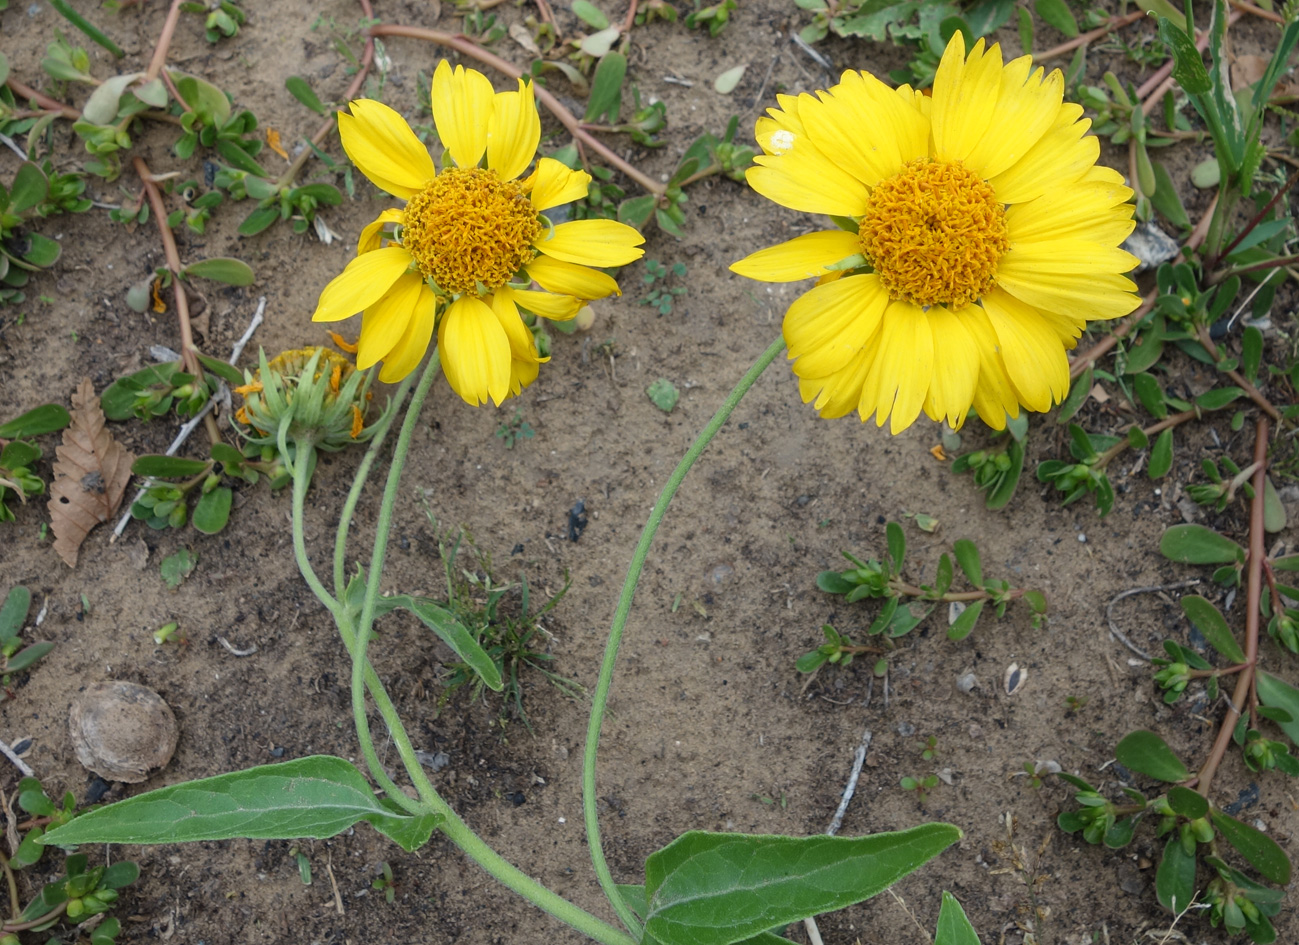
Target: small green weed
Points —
{"points": [[511, 431], [662, 296]]}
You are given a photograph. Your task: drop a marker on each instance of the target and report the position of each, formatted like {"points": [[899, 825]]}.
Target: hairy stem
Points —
{"points": [[600, 697]]}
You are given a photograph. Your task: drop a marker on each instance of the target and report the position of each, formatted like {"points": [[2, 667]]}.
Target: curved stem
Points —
{"points": [[358, 485], [15, 908], [41, 99], [164, 40], [302, 466], [600, 697], [466, 46]]}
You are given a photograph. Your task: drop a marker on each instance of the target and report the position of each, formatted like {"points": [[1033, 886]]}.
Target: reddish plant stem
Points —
{"points": [[1257, 11], [1244, 694], [358, 80], [1213, 261], [43, 920], [1113, 23], [164, 41], [630, 19], [1228, 671], [911, 590], [466, 46], [1240, 380], [44, 101], [1167, 423], [1279, 263], [188, 350], [1093, 354]]}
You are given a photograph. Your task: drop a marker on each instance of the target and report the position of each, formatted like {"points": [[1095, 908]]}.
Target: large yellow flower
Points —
{"points": [[976, 238], [462, 255]]}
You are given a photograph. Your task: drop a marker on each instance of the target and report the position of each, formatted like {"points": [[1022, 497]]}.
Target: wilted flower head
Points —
{"points": [[975, 238], [306, 395]]}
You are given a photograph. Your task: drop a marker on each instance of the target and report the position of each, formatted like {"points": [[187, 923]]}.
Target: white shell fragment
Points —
{"points": [[1015, 678], [122, 731]]}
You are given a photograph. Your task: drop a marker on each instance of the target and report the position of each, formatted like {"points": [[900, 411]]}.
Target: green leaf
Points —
{"points": [[1188, 803], [44, 419], [811, 661], [663, 394], [102, 106], [1195, 544], [590, 14], [725, 83], [967, 556], [1057, 13], [717, 889], [1188, 67], [1146, 350], [1166, 199], [42, 251], [168, 467], [1255, 846], [636, 211], [1036, 600], [442, 622], [1151, 395], [1146, 753], [315, 797], [300, 89], [1175, 878], [1280, 694], [1274, 517], [964, 624], [1001, 494], [832, 582], [117, 400], [176, 567], [897, 544], [1120, 833], [239, 158], [27, 656], [1218, 398], [19, 453], [605, 103], [221, 269], [1161, 455], [953, 927], [258, 220], [13, 613], [29, 188], [1213, 625], [1251, 352], [213, 510], [1076, 398], [222, 369]]}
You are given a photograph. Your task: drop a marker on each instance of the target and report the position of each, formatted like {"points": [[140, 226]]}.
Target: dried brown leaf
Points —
{"points": [[90, 475]]}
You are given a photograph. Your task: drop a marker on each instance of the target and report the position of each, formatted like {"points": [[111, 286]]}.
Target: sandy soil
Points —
{"points": [[712, 727]]}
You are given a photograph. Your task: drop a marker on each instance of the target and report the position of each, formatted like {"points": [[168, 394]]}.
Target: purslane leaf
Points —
{"points": [[315, 797]]}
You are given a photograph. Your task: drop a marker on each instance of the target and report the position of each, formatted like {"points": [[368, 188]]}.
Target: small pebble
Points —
{"points": [[967, 682], [906, 729], [1082, 537]]}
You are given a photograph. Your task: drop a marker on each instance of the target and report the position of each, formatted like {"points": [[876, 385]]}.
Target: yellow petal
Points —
{"points": [[994, 397], [462, 102], [553, 185], [839, 394], [1060, 157], [899, 380], [965, 98], [382, 146], [1095, 211], [593, 243], [559, 308], [1073, 276], [956, 367], [372, 235], [1034, 358], [778, 131], [805, 179], [800, 258], [385, 322], [827, 325], [523, 346], [864, 127], [410, 348], [569, 279], [475, 351], [361, 284], [1026, 109], [513, 132]]}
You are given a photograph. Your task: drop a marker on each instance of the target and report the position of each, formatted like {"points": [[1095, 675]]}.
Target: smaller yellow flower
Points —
{"points": [[461, 257]]}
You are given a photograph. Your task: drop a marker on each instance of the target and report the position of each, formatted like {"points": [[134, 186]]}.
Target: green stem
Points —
{"points": [[600, 697], [302, 467], [455, 828], [358, 484]]}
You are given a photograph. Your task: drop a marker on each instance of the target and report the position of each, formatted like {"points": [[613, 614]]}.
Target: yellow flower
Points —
{"points": [[461, 256], [976, 238]]}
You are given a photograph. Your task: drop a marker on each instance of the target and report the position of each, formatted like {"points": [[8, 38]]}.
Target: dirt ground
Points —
{"points": [[711, 726]]}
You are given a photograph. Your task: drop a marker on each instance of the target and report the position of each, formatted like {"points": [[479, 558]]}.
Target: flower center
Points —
{"points": [[468, 227], [934, 234]]}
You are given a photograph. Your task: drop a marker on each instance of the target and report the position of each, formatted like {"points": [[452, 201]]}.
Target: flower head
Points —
{"points": [[462, 255], [975, 239], [309, 394]]}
